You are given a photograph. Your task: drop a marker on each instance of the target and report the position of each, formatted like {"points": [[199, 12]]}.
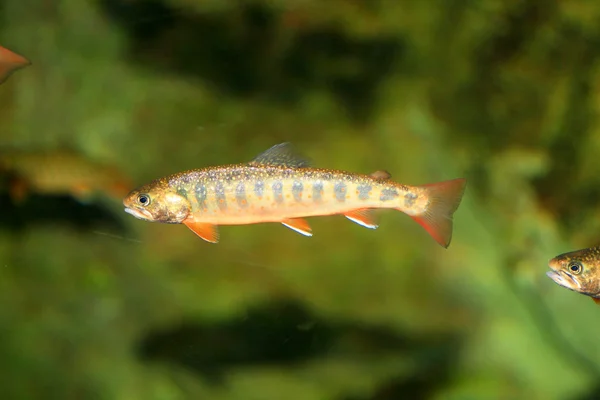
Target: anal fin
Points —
{"points": [[208, 232], [299, 225], [596, 300], [363, 217]]}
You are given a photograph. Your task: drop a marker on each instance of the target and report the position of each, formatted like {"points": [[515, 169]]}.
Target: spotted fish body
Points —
{"points": [[279, 186], [239, 194]]}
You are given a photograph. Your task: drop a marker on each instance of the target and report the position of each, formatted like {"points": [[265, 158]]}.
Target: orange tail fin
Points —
{"points": [[444, 199], [10, 62]]}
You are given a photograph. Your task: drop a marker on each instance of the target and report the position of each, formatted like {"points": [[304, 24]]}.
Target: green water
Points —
{"points": [[504, 93]]}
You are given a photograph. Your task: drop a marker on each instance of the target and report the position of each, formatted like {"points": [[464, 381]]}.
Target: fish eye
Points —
{"points": [[575, 267], [143, 199]]}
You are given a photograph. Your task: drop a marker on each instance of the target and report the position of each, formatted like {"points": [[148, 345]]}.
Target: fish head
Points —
{"points": [[578, 271], [157, 202]]}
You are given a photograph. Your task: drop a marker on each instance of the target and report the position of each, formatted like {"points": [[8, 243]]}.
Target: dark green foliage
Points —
{"points": [[98, 305]]}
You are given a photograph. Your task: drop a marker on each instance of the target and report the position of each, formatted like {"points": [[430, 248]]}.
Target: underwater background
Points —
{"points": [[95, 304]]}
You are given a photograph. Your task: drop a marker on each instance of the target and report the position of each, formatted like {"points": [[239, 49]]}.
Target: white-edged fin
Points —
{"points": [[363, 217], [283, 155], [208, 232], [299, 225]]}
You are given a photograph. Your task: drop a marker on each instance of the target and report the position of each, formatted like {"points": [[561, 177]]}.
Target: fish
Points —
{"points": [[280, 186], [578, 271], [10, 62], [60, 172]]}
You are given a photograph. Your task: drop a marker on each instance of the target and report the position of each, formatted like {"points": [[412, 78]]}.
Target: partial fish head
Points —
{"points": [[157, 202], [578, 271]]}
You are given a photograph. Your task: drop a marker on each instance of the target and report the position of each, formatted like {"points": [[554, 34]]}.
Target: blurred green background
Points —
{"points": [[97, 305]]}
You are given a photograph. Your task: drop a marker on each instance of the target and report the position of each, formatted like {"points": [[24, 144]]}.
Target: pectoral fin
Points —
{"points": [[299, 225], [208, 232]]}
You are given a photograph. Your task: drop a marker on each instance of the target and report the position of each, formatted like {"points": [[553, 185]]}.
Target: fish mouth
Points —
{"points": [[139, 214], [564, 279]]}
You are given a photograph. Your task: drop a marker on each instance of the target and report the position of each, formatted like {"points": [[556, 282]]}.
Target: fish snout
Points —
{"points": [[564, 279], [139, 213]]}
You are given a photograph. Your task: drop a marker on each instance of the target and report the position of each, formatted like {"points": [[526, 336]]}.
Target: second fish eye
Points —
{"points": [[144, 199], [575, 267]]}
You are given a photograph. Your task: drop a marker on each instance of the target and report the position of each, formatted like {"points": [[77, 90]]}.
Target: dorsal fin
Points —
{"points": [[381, 174], [281, 154]]}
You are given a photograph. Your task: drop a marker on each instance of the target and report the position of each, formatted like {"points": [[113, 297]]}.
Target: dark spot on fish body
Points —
{"points": [[326, 176], [388, 194], [259, 189], [240, 195], [278, 191], [297, 188], [339, 189], [219, 189], [182, 192], [227, 177], [409, 199], [220, 195], [200, 193], [185, 179], [363, 191], [317, 191]]}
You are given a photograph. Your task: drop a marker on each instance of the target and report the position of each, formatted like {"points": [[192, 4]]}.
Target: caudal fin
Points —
{"points": [[10, 62], [444, 199]]}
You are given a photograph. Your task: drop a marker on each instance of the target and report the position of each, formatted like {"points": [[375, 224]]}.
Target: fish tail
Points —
{"points": [[10, 62], [444, 199]]}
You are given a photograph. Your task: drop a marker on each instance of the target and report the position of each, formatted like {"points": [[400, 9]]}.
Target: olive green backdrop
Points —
{"points": [[95, 304]]}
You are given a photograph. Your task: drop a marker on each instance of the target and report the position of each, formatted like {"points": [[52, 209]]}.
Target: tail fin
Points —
{"points": [[444, 199], [10, 62]]}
